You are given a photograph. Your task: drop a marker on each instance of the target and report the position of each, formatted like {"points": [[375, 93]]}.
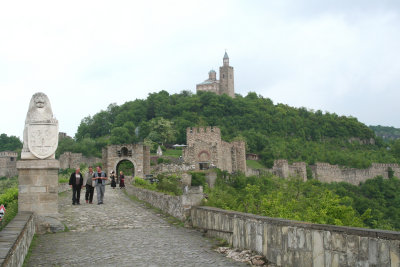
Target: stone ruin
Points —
{"points": [[328, 173], [38, 168], [8, 164], [74, 160], [205, 149]]}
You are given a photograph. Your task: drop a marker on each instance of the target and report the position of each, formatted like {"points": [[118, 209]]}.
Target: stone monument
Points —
{"points": [[38, 168]]}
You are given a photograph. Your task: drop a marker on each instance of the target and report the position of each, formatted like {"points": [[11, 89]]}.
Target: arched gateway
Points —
{"points": [[137, 154]]}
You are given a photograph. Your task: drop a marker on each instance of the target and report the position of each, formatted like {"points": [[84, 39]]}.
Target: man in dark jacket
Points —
{"points": [[76, 183]]}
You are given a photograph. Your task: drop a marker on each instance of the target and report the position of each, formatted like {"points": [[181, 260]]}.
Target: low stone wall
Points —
{"points": [[171, 168], [16, 238], [177, 206], [292, 243], [63, 187]]}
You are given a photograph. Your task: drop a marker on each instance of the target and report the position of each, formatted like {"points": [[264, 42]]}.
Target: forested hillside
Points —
{"points": [[373, 204], [272, 130]]}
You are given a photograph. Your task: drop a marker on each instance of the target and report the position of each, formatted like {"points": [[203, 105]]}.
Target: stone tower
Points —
{"points": [[226, 85]]}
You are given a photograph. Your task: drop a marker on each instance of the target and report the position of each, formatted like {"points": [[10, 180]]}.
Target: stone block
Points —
{"points": [[318, 248], [259, 237], [339, 242], [363, 252], [291, 238], [384, 252], [327, 240], [305, 259], [327, 260], [373, 251], [352, 249], [48, 198], [394, 247], [23, 189], [265, 239], [38, 189]]}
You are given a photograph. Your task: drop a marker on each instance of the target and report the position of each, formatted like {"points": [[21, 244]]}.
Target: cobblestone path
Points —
{"points": [[121, 233]]}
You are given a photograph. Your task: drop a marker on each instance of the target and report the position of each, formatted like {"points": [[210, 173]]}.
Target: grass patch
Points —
{"points": [[254, 164], [31, 247], [176, 153]]}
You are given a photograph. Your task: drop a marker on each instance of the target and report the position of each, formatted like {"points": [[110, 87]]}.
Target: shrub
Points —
{"points": [[169, 184], [198, 178], [10, 200]]}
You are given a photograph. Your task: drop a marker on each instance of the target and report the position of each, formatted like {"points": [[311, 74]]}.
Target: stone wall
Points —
{"points": [[326, 172], [204, 146], [292, 243], [8, 163], [283, 169], [171, 168], [177, 206], [16, 238], [74, 160]]}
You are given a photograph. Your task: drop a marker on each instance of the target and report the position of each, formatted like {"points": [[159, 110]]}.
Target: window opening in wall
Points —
{"points": [[204, 165]]}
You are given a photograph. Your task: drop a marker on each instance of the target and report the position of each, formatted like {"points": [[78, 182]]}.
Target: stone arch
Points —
{"points": [[204, 155], [118, 162]]}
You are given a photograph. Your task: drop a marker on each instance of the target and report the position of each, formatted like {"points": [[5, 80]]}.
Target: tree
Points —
{"points": [[120, 135], [161, 130]]}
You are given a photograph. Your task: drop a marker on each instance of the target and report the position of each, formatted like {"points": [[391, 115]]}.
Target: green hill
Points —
{"points": [[271, 130]]}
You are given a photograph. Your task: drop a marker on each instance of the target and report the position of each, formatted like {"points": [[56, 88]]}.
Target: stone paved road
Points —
{"points": [[122, 233]]}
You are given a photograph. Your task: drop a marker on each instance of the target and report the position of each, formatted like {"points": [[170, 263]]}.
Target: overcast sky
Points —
{"points": [[338, 56]]}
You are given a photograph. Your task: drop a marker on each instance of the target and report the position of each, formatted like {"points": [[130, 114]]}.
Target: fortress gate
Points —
{"points": [[138, 154]]}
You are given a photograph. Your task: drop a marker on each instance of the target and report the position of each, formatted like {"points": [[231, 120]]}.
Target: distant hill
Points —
{"points": [[272, 130], [386, 132]]}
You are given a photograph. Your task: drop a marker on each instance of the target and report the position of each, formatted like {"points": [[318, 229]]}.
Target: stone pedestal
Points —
{"points": [[38, 191]]}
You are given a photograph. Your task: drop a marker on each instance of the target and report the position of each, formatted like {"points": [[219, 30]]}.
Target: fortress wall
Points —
{"points": [[294, 243], [283, 169], [74, 160], [8, 163], [326, 172]]}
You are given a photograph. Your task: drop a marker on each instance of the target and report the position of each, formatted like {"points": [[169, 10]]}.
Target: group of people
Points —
{"points": [[92, 180]]}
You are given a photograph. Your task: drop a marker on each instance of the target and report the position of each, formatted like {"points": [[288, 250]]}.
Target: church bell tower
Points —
{"points": [[226, 85]]}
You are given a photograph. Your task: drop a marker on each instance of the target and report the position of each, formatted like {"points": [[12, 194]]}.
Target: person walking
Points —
{"points": [[100, 179], [121, 180], [89, 183], [112, 177], [76, 183]]}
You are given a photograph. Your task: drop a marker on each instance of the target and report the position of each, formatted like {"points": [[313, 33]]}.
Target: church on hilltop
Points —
{"points": [[224, 85]]}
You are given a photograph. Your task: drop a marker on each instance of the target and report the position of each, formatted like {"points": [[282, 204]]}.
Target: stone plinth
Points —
{"points": [[38, 186]]}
